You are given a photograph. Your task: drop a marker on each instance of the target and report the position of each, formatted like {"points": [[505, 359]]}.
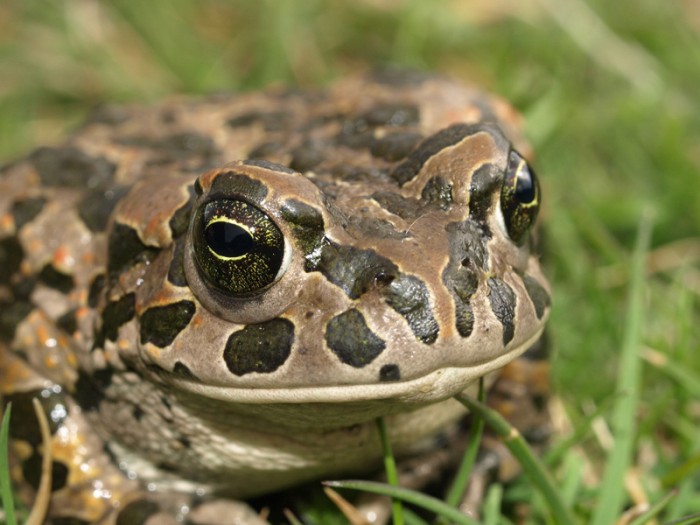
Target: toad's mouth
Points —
{"points": [[429, 388]]}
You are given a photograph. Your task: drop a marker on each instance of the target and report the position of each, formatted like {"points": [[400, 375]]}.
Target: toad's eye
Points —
{"points": [[238, 247], [520, 197], [228, 240]]}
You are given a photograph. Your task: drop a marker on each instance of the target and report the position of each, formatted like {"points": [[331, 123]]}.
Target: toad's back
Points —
{"points": [[195, 321]]}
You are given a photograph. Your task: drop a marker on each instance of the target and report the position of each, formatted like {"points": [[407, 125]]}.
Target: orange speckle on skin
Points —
{"points": [[72, 360], [197, 320], [153, 351], [50, 361], [42, 334], [25, 267], [63, 258], [13, 372], [35, 245], [7, 222], [82, 312]]}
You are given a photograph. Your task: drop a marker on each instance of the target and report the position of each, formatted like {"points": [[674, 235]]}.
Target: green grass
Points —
{"points": [[614, 117], [8, 503]]}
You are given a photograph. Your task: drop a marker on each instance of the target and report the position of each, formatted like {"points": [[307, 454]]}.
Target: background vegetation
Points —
{"points": [[609, 92]]}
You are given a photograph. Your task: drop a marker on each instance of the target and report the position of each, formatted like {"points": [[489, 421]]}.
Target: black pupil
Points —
{"points": [[524, 185], [227, 239]]}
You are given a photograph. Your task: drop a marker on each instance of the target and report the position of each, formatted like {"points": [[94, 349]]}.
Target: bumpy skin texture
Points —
{"points": [[389, 217]]}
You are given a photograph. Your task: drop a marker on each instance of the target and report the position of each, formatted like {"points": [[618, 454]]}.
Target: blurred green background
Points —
{"points": [[609, 93]]}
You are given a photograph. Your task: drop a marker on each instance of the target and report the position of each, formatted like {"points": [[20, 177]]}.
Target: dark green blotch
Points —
{"points": [[467, 245], [178, 146], [355, 134], [137, 413], [502, 300], [484, 185], [464, 317], [265, 149], [538, 295], [462, 281], [389, 373], [266, 164], [188, 144], [31, 470], [392, 115], [260, 348], [90, 388], [68, 322], [126, 249], [11, 314], [24, 425], [15, 308], [407, 209], [308, 228], [180, 221], [409, 168], [307, 156], [409, 296], [182, 370], [374, 227], [137, 512], [166, 402], [97, 205], [52, 278], [349, 337], [96, 288], [394, 146], [117, 313], [161, 324], [230, 185], [25, 210], [71, 167], [355, 271], [176, 271], [438, 191], [11, 255], [270, 120]]}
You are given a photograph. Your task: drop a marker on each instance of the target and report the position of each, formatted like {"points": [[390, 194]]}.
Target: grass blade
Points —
{"points": [[409, 496], [654, 510], [391, 473], [611, 491], [532, 466], [459, 485], [692, 519], [5, 487]]}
